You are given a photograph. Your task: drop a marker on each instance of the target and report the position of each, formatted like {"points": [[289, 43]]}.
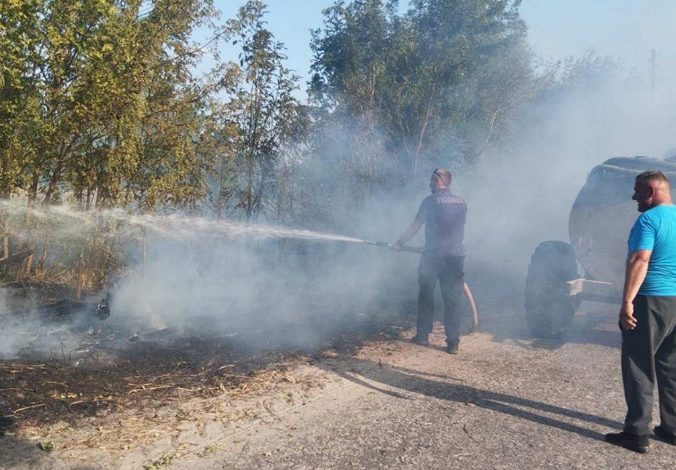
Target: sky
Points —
{"points": [[627, 30]]}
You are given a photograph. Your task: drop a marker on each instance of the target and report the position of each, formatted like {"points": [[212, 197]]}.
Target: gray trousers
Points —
{"points": [[449, 272], [649, 354]]}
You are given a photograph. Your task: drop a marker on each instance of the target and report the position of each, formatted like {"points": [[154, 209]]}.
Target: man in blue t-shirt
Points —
{"points": [[443, 214], [648, 316]]}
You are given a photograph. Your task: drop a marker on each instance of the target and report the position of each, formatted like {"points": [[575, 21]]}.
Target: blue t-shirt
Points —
{"points": [[655, 230]]}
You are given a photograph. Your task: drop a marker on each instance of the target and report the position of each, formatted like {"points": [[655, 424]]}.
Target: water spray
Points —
{"points": [[409, 249], [175, 226]]}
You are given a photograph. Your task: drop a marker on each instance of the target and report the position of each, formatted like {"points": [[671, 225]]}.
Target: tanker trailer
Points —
{"points": [[599, 224]]}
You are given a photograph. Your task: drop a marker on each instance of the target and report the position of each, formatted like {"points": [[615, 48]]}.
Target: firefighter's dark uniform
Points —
{"points": [[443, 214]]}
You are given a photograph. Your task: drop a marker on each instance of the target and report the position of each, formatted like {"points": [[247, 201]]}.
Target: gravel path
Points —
{"points": [[505, 402]]}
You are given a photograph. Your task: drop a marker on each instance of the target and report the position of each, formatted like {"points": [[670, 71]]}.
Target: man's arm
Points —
{"points": [[637, 268], [409, 233]]}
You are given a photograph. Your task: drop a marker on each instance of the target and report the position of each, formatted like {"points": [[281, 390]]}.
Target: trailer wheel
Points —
{"points": [[549, 307]]}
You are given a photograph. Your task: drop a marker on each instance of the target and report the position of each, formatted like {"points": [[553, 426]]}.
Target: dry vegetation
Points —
{"points": [[145, 374]]}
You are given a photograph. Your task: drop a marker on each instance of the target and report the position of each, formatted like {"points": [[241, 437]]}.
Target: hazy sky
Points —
{"points": [[625, 29]]}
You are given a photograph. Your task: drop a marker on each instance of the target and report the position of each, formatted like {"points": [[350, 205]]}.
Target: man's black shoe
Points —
{"points": [[663, 435], [420, 341], [452, 348], [629, 441]]}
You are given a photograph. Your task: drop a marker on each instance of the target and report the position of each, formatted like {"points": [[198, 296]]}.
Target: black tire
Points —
{"points": [[549, 307]]}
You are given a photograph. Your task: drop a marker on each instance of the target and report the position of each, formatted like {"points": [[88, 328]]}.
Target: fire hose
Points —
{"points": [[466, 289]]}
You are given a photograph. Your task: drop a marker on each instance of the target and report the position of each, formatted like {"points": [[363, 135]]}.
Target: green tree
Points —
{"points": [[100, 107], [100, 101], [435, 83], [19, 58], [262, 111]]}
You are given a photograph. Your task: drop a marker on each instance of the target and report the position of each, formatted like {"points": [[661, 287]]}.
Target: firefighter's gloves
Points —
{"points": [[397, 246]]}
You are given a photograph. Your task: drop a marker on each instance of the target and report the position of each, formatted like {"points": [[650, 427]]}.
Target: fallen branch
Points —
{"points": [[38, 405], [464, 428], [148, 389]]}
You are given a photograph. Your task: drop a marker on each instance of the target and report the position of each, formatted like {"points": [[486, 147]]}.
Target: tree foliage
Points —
{"points": [[100, 101], [99, 108], [436, 83], [101, 105], [262, 112]]}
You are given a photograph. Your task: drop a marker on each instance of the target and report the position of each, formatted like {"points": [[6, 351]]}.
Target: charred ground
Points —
{"points": [[107, 370]]}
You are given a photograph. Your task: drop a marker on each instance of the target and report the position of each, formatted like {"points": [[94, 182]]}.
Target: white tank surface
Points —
{"points": [[604, 212]]}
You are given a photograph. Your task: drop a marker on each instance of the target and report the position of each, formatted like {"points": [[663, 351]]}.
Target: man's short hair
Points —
{"points": [[650, 176], [444, 176]]}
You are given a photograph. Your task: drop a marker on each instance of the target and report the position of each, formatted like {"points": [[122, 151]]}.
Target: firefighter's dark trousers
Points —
{"points": [[649, 354], [449, 272]]}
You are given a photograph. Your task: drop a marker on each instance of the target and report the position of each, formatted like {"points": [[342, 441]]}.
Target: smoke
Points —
{"points": [[265, 293], [522, 194], [30, 329], [273, 287], [261, 285]]}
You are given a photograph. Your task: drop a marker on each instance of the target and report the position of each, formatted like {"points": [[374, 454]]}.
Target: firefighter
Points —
{"points": [[443, 214]]}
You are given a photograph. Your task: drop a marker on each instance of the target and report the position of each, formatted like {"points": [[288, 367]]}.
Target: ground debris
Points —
{"points": [[109, 398], [46, 446], [161, 462]]}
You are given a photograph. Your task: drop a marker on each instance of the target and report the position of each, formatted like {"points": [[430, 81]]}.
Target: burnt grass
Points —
{"points": [[121, 372]]}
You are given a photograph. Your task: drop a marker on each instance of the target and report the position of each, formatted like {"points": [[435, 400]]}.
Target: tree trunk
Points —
{"points": [[253, 141], [421, 136], [28, 266], [53, 181], [5, 237], [43, 258], [32, 197], [80, 276], [143, 253], [56, 174]]}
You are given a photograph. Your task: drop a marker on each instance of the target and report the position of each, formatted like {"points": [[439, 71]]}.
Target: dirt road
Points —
{"points": [[505, 401]]}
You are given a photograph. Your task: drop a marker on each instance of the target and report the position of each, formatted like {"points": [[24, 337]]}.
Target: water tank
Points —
{"points": [[604, 212]]}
